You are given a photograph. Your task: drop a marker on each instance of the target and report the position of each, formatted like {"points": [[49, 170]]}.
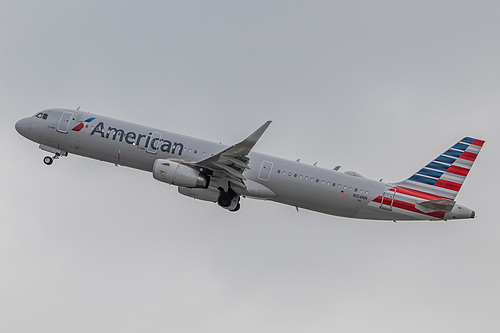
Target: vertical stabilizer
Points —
{"points": [[445, 175]]}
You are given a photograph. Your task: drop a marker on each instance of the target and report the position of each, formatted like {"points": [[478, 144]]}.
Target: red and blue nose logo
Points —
{"points": [[79, 127]]}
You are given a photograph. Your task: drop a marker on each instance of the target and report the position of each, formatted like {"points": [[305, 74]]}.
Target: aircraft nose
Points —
{"points": [[18, 126], [22, 126]]}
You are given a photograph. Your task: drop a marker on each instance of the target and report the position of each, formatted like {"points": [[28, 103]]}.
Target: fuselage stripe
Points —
{"points": [[415, 193], [409, 207]]}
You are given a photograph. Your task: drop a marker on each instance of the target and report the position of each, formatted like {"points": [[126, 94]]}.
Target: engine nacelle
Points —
{"points": [[227, 200], [174, 173], [209, 194]]}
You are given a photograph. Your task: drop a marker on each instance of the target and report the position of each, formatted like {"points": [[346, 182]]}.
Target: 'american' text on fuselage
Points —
{"points": [[133, 138]]}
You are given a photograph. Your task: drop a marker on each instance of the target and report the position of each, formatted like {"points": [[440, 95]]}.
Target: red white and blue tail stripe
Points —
{"points": [[444, 176]]}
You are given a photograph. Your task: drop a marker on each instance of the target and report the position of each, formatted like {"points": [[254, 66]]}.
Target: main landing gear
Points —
{"points": [[229, 200], [237, 208]]}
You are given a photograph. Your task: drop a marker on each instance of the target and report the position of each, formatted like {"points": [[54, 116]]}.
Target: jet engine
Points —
{"points": [[175, 173], [209, 194], [228, 200]]}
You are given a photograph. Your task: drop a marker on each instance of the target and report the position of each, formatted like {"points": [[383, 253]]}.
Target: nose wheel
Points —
{"points": [[49, 160]]}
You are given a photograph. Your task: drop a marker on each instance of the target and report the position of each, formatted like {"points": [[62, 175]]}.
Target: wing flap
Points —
{"points": [[240, 163], [230, 170]]}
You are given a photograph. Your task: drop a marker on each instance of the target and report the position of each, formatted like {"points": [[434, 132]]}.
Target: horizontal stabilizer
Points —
{"points": [[433, 205]]}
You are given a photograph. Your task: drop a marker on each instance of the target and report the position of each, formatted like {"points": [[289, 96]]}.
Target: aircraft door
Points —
{"points": [[154, 143], [265, 170], [388, 198], [63, 125]]}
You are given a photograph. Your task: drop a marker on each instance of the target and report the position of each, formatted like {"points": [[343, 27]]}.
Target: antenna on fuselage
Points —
{"points": [[336, 168], [78, 108]]}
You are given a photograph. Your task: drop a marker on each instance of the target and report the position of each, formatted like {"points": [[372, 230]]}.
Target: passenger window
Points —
{"points": [[295, 175], [317, 180], [300, 177], [307, 178], [279, 171], [356, 189], [350, 188], [333, 184]]}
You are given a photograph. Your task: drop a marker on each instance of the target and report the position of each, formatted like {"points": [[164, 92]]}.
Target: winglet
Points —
{"points": [[245, 146], [233, 161], [255, 136]]}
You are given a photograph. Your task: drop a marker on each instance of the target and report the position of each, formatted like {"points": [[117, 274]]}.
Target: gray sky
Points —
{"points": [[379, 87]]}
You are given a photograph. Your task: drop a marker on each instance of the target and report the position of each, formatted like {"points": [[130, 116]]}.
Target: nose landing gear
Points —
{"points": [[49, 160], [57, 153]]}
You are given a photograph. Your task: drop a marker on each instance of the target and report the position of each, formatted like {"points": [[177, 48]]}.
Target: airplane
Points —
{"points": [[224, 174]]}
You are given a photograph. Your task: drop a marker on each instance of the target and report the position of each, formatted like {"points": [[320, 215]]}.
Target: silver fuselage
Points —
{"points": [[293, 183]]}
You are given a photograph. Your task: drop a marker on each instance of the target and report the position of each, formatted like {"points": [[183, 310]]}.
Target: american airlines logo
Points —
{"points": [[149, 141], [79, 127]]}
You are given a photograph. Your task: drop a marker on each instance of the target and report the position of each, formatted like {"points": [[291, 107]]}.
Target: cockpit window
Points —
{"points": [[42, 115]]}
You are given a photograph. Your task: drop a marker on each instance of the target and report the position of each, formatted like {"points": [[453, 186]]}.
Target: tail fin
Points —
{"points": [[445, 175]]}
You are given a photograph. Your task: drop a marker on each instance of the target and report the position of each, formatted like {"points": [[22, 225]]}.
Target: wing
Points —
{"points": [[230, 163]]}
